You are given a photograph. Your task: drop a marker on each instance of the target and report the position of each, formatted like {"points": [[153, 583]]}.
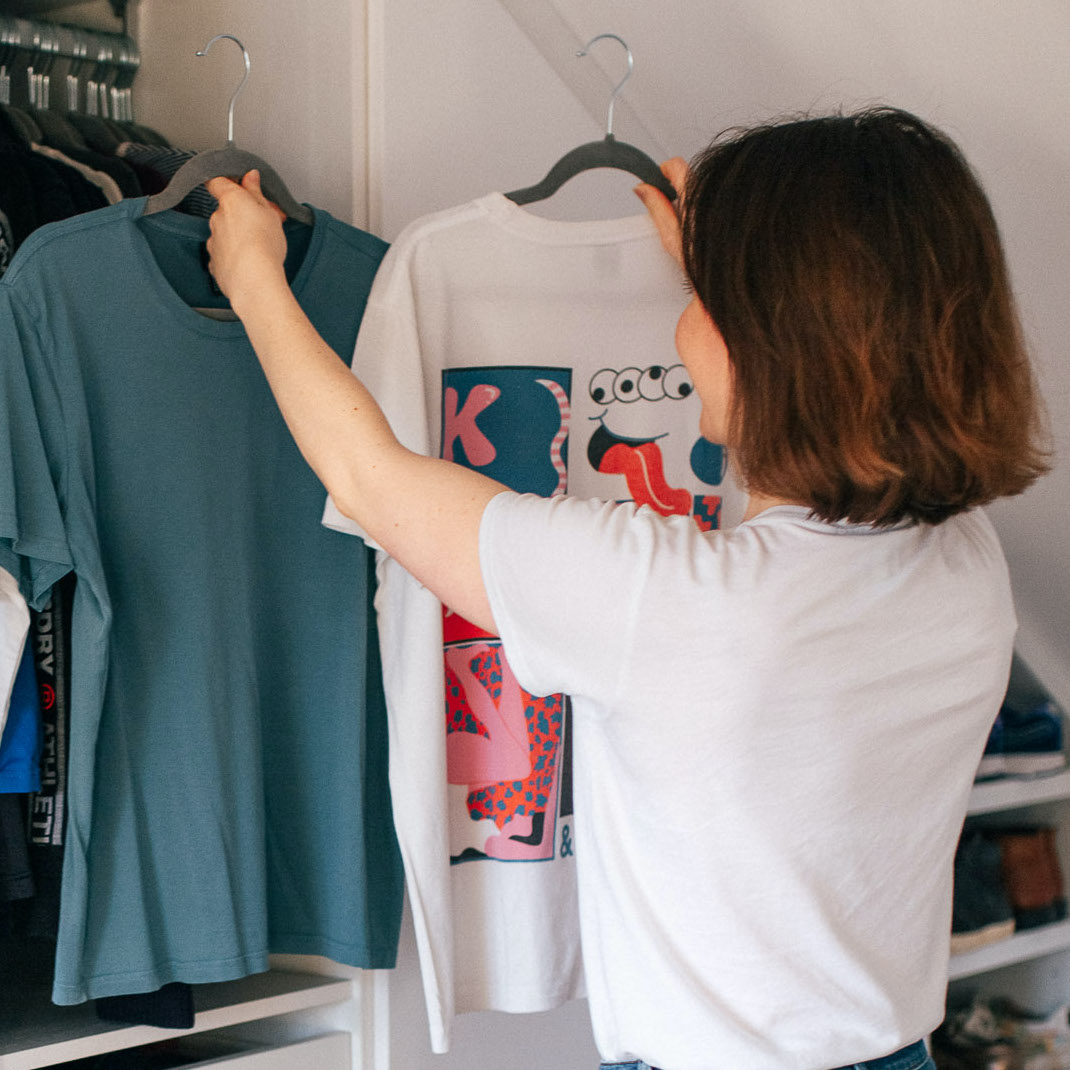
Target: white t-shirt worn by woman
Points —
{"points": [[777, 726]]}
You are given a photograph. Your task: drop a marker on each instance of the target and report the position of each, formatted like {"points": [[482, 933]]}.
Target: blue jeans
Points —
{"points": [[914, 1057]]}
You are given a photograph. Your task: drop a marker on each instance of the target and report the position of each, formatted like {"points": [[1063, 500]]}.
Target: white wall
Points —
{"points": [[468, 106]]}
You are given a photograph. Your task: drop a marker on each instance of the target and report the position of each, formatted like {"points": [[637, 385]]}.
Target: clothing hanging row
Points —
{"points": [[96, 69], [147, 303]]}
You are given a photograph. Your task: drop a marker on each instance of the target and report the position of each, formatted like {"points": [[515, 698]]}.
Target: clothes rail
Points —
{"points": [[96, 68], [33, 8]]}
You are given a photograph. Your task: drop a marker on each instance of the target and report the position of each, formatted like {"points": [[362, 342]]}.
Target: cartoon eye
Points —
{"points": [[652, 383], [678, 383], [601, 388], [626, 385]]}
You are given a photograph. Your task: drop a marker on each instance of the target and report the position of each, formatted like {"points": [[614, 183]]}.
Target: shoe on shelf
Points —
{"points": [[981, 912], [995, 1033], [1032, 738], [1032, 875], [971, 1038], [1048, 834], [992, 761]]}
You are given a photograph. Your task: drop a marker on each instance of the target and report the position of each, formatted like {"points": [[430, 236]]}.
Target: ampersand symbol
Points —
{"points": [[566, 842]]}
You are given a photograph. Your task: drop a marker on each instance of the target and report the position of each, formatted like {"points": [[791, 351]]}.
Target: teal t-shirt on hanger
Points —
{"points": [[228, 788]]}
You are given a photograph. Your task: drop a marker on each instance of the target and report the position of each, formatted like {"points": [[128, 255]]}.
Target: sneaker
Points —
{"points": [[992, 761], [1039, 1041], [981, 913], [972, 1038], [1032, 738]]}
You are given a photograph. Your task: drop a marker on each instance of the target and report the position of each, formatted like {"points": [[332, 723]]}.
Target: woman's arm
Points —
{"points": [[423, 511]]}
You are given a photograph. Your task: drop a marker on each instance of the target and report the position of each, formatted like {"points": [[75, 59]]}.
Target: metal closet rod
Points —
{"points": [[55, 41]]}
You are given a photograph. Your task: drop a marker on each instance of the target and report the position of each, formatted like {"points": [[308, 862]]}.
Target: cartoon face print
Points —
{"points": [[631, 435]]}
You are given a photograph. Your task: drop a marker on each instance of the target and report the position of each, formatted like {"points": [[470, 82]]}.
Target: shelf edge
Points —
{"points": [[1031, 944], [315, 990]]}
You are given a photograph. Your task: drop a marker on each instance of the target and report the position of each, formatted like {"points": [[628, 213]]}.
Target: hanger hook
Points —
{"points": [[620, 85], [241, 84]]}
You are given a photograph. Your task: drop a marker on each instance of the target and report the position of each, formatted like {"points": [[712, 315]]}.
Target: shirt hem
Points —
{"points": [[361, 956], [468, 1002], [125, 984], [366, 957]]}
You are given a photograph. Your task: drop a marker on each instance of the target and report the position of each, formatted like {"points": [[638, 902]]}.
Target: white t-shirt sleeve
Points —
{"points": [[388, 361], [14, 625], [565, 578]]}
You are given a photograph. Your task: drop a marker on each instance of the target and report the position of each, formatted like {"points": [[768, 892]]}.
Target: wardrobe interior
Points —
{"points": [[382, 111]]}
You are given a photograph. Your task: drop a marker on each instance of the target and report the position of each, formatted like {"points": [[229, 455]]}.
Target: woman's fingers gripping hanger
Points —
{"points": [[247, 236], [665, 213]]}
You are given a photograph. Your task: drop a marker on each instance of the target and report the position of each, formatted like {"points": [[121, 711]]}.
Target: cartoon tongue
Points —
{"points": [[639, 461]]}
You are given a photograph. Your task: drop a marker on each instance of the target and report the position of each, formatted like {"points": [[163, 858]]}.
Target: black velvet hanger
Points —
{"points": [[609, 152], [228, 162]]}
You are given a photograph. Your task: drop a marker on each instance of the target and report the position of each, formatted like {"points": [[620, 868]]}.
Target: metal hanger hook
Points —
{"points": [[620, 85], [241, 84]]}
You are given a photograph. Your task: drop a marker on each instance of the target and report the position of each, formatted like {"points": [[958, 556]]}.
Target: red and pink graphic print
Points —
{"points": [[505, 748], [507, 756]]}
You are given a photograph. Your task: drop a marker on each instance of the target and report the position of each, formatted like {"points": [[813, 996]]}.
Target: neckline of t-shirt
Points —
{"points": [[836, 527], [196, 228], [565, 231]]}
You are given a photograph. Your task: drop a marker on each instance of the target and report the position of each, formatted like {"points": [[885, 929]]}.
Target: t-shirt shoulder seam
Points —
{"points": [[51, 232], [35, 316]]}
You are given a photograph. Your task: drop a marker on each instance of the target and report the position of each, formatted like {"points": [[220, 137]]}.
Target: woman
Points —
{"points": [[777, 724]]}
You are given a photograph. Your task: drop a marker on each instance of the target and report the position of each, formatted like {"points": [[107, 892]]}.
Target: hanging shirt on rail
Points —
{"points": [[227, 791], [541, 353], [14, 624]]}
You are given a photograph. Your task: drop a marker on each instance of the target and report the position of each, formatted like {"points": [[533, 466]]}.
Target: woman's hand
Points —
{"points": [[665, 214], [247, 246]]}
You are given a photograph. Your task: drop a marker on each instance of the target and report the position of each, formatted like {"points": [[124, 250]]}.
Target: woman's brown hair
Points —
{"points": [[854, 267]]}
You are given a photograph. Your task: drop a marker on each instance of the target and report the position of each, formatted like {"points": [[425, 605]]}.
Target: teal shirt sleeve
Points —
{"points": [[33, 540]]}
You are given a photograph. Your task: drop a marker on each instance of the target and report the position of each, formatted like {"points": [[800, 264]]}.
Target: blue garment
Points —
{"points": [[20, 745], [914, 1057], [228, 780]]}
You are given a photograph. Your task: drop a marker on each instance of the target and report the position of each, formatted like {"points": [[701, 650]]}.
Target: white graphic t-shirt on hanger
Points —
{"points": [[540, 353]]}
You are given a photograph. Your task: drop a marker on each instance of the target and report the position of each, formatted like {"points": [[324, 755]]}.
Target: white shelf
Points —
{"points": [[1031, 944], [1009, 793], [43, 1034]]}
